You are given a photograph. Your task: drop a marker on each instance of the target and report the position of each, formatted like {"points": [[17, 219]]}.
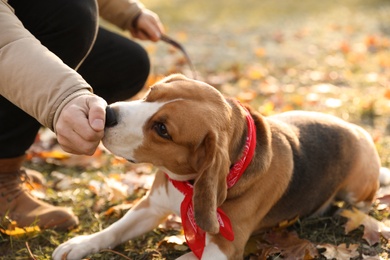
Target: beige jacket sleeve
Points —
{"points": [[120, 12], [32, 77]]}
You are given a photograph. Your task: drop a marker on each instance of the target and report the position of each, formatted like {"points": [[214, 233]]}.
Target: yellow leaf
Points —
{"points": [[255, 74], [54, 154], [244, 83], [267, 108], [287, 223], [17, 232]]}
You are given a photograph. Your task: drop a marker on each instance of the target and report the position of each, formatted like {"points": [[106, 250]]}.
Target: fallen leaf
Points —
{"points": [[118, 209], [55, 154], [373, 228], [383, 197], [174, 242], [172, 222], [63, 181], [289, 245], [260, 52], [376, 257], [345, 47], [13, 230], [387, 93], [178, 239], [287, 223], [340, 252]]}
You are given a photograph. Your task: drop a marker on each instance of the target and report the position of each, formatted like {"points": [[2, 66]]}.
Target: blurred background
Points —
{"points": [[219, 34]]}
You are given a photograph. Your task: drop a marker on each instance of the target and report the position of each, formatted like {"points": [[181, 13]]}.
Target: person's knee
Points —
{"points": [[73, 30], [80, 18]]}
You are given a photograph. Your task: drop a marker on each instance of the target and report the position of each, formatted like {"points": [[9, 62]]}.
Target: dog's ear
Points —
{"points": [[210, 188]]}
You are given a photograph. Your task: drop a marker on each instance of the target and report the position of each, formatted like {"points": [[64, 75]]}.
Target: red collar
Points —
{"points": [[196, 237]]}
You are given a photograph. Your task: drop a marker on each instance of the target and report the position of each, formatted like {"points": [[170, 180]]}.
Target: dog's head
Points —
{"points": [[182, 126]]}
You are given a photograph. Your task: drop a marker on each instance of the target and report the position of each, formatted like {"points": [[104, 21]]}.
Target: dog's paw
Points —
{"points": [[77, 248]]}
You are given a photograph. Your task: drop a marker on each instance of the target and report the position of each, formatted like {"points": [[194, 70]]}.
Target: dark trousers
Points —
{"points": [[116, 67]]}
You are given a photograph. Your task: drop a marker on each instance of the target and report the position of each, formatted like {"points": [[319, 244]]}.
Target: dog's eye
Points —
{"points": [[162, 130]]}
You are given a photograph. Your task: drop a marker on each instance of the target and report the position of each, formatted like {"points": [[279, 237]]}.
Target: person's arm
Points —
{"points": [[38, 82], [131, 15]]}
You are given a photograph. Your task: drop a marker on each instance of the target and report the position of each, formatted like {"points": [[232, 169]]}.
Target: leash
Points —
{"points": [[169, 40], [178, 46], [194, 235]]}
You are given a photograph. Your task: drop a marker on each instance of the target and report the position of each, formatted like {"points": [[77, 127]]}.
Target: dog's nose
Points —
{"points": [[110, 117]]}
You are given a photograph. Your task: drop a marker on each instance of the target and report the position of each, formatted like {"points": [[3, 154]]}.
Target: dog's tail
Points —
{"points": [[384, 176]]}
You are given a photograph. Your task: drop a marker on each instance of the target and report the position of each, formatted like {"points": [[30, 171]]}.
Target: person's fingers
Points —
{"points": [[151, 29], [75, 121], [80, 126], [140, 34], [86, 148], [97, 114], [76, 141], [148, 27]]}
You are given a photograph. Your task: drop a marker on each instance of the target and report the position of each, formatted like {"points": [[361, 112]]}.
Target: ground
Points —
{"points": [[277, 55]]}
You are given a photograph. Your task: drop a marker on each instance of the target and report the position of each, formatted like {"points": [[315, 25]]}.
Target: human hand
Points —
{"points": [[147, 26], [80, 126]]}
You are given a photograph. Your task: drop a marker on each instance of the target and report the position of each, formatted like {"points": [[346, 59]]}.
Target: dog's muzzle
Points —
{"points": [[111, 119]]}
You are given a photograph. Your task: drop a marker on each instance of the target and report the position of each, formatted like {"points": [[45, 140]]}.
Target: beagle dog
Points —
{"points": [[228, 171]]}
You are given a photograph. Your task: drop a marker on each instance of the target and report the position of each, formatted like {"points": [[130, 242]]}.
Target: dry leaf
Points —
{"points": [[118, 209], [387, 93], [340, 252], [178, 239], [174, 243], [287, 223], [289, 245], [372, 227], [260, 52], [383, 197], [172, 222], [63, 181]]}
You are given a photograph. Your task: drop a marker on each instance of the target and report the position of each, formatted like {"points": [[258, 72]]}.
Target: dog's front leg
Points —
{"points": [[143, 217]]}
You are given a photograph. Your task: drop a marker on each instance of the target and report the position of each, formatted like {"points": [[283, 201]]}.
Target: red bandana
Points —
{"points": [[195, 236]]}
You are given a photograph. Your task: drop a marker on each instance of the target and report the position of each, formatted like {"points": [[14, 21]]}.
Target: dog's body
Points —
{"points": [[302, 162]]}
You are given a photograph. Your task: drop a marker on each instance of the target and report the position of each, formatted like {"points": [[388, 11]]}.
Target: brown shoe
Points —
{"points": [[19, 205]]}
